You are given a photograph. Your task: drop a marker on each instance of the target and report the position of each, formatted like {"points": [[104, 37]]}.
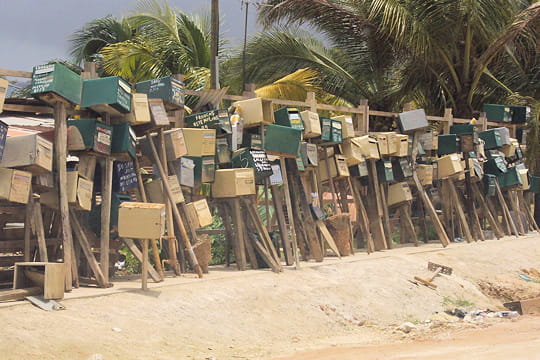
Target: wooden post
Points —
{"points": [[171, 238], [40, 232], [28, 219], [505, 208], [448, 120], [60, 156], [142, 192], [138, 255], [191, 255], [289, 210], [364, 218], [363, 120], [375, 204], [284, 232], [459, 209], [214, 44], [483, 121], [493, 223], [144, 278]]}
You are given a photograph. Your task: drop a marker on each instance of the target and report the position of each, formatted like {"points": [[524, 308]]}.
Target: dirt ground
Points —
{"points": [[350, 309]]}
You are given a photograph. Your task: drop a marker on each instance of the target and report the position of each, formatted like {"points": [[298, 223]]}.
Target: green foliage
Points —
{"points": [[457, 302], [218, 243], [133, 266]]}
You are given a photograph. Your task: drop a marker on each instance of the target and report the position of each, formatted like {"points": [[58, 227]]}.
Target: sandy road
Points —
{"points": [[507, 340]]}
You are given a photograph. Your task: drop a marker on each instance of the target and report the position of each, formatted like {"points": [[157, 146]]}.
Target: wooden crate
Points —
{"points": [[50, 276], [29, 152]]}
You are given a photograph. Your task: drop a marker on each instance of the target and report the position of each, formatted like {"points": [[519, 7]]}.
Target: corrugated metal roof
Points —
{"points": [[23, 121]]}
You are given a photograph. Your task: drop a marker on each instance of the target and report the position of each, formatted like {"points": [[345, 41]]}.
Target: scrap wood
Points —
{"points": [[437, 269]]}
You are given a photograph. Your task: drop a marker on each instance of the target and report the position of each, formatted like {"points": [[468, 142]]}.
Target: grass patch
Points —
{"points": [[457, 302]]}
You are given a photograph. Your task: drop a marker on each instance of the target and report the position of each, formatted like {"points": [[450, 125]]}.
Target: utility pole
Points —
{"points": [[214, 36]]}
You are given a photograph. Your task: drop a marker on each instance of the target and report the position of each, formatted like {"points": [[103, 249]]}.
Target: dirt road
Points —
{"points": [[356, 301], [516, 340]]}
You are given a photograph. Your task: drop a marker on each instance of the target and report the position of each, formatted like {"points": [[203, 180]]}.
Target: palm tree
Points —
{"points": [[442, 52], [154, 41]]}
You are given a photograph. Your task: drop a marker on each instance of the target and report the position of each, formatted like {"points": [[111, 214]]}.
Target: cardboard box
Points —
{"points": [[425, 174], [140, 111], [199, 214], [399, 193], [312, 124], [3, 137], [53, 278], [154, 190], [53, 81], [3, 91], [347, 126], [289, 116], [282, 140], [255, 111], [111, 95], [79, 193], [255, 159], [138, 220], [429, 140], [402, 145], [233, 182], [213, 119], [524, 176], [89, 134], [368, 146], [200, 142], [29, 152], [387, 142], [158, 113], [338, 167], [124, 141], [412, 121], [448, 165], [171, 91], [15, 185]]}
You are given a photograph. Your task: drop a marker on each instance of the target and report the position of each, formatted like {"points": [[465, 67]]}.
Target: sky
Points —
{"points": [[35, 31]]}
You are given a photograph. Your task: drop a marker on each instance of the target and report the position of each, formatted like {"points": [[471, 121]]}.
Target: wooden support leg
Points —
{"points": [[239, 240], [145, 263], [362, 216], [528, 212], [506, 211], [28, 219], [386, 218], [283, 231], [492, 222], [376, 210], [60, 156], [459, 210], [405, 217], [87, 250], [139, 256], [289, 211], [106, 196], [40, 232]]}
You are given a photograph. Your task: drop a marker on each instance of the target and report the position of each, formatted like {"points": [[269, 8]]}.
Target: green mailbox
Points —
{"points": [[107, 95], [213, 119], [498, 113], [465, 129], [289, 116], [448, 144], [492, 138], [282, 140], [490, 186], [384, 171], [535, 184], [89, 134], [401, 169], [495, 166], [167, 88], [51, 81], [359, 170], [204, 170], [326, 129], [520, 114], [337, 136], [510, 178], [123, 141]]}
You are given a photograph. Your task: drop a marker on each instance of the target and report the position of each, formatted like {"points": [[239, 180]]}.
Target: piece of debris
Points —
{"points": [[436, 268], [115, 329], [528, 306], [406, 327]]}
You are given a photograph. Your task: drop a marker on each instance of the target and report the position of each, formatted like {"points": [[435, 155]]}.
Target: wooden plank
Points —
{"points": [[35, 109], [386, 217], [407, 221], [60, 155], [87, 251], [171, 239], [506, 211], [40, 231], [327, 237], [27, 228], [145, 264], [528, 211], [516, 208], [19, 294], [106, 198], [497, 231], [374, 202], [139, 256], [282, 225], [191, 255], [16, 73], [363, 217]]}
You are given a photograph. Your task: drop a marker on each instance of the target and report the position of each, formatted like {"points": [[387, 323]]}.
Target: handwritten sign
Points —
{"points": [[124, 177]]}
